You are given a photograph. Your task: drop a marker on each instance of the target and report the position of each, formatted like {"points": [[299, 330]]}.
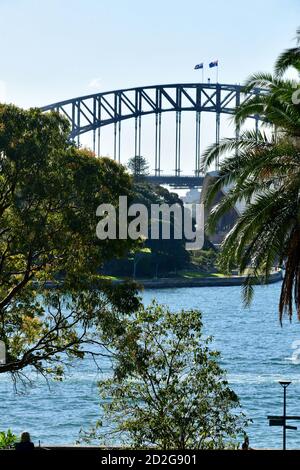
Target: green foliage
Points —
{"points": [[262, 170], [166, 255], [205, 260], [138, 166], [163, 256], [49, 192], [168, 390], [7, 439], [289, 58]]}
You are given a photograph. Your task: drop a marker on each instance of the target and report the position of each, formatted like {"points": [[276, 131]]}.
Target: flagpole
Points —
{"points": [[203, 74], [217, 73]]}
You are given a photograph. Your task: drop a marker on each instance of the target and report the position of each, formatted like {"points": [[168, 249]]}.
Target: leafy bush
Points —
{"points": [[7, 439]]}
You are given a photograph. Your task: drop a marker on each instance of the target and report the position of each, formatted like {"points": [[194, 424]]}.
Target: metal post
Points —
{"points": [[198, 138], [281, 420], [218, 111], [119, 143], [99, 142], [177, 143], [135, 137], [176, 146], [198, 131], [196, 150], [95, 123], [99, 128], [140, 135], [73, 118], [119, 106], [199, 143], [217, 137], [284, 415], [94, 140], [159, 142], [115, 141], [78, 123], [284, 427], [156, 143]]}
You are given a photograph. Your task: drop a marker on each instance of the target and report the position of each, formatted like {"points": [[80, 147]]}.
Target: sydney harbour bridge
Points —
{"points": [[90, 113]]}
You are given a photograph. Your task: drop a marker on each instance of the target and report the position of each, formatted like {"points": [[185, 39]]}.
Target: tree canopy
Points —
{"points": [[168, 390], [49, 192], [138, 166], [163, 255]]}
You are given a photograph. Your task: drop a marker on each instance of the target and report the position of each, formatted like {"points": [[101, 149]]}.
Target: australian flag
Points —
{"points": [[213, 64], [198, 66]]}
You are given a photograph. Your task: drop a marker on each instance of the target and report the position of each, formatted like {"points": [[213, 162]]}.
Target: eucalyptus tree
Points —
{"points": [[49, 192]]}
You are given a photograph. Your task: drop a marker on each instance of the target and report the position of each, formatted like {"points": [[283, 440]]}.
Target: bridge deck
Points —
{"points": [[189, 181]]}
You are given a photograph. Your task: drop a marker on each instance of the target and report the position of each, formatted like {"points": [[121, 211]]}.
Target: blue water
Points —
{"points": [[256, 352]]}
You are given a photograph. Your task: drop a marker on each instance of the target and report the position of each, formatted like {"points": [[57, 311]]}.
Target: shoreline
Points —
{"points": [[167, 283], [228, 281]]}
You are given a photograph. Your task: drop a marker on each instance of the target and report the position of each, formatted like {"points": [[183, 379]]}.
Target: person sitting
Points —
{"points": [[25, 443]]}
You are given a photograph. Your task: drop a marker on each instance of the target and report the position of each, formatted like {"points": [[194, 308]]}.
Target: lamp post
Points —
{"points": [[281, 420], [285, 385]]}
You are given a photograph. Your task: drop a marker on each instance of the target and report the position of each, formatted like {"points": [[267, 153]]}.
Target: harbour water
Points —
{"points": [[256, 352]]}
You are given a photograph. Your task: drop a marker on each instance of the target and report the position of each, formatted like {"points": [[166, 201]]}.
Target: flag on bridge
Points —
{"points": [[199, 66], [214, 63]]}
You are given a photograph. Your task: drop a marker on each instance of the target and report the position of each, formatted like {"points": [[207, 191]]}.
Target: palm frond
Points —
{"points": [[288, 58], [263, 171]]}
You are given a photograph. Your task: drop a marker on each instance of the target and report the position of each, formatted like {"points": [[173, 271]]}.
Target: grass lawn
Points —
{"points": [[195, 274]]}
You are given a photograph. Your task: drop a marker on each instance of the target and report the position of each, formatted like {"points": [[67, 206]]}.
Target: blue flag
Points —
{"points": [[213, 64], [198, 66]]}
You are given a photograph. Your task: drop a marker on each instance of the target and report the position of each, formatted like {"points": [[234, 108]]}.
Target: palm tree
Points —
{"points": [[263, 170], [289, 58]]}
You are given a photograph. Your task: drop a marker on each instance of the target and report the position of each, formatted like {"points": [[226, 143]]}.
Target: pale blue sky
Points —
{"points": [[58, 49]]}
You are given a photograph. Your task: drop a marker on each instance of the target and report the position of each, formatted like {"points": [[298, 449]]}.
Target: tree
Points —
{"points": [[138, 166], [168, 390], [49, 192], [167, 254], [153, 257], [263, 170]]}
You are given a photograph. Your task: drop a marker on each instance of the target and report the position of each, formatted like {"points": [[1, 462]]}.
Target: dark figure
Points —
{"points": [[245, 445], [25, 444]]}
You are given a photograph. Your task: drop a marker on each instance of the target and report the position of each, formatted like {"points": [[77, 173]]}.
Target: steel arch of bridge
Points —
{"points": [[91, 112]]}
